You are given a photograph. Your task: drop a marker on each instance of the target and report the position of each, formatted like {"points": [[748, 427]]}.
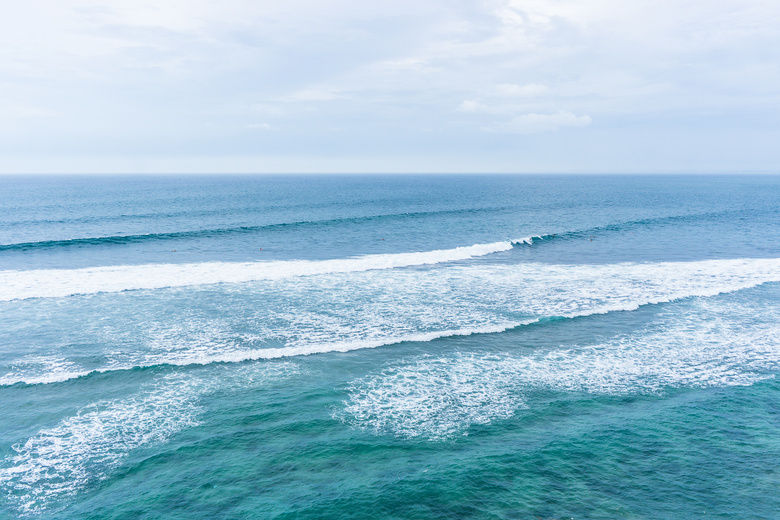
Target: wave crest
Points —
{"points": [[57, 283]]}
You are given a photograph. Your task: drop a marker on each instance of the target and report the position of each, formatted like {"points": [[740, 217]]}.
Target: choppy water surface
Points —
{"points": [[390, 347]]}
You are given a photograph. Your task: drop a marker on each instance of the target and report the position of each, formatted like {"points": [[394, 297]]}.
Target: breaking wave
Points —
{"points": [[55, 283], [338, 313]]}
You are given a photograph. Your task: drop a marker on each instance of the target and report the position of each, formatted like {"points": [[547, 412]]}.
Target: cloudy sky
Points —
{"points": [[385, 86]]}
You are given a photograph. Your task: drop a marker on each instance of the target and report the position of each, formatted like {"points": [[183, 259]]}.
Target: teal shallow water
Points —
{"points": [[624, 369]]}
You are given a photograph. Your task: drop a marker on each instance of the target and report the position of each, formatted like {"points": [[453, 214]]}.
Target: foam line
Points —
{"points": [[42, 370], [56, 283], [57, 371]]}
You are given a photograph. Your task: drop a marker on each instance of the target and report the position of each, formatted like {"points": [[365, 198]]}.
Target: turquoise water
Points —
{"points": [[390, 347]]}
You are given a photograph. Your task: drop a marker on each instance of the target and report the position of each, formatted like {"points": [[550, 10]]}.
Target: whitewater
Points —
{"points": [[351, 347]]}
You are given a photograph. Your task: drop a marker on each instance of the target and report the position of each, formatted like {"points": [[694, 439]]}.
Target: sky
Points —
{"points": [[522, 86]]}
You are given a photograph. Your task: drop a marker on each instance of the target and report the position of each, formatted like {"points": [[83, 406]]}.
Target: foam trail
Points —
{"points": [[434, 398], [57, 462], [697, 346], [54, 283]]}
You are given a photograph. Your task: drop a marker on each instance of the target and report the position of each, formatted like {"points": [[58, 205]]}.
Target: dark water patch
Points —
{"points": [[571, 457]]}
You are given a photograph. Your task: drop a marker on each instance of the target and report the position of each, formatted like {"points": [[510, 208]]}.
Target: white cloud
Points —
{"points": [[135, 77], [266, 109], [313, 94], [510, 90], [471, 106], [514, 118], [25, 111], [536, 123]]}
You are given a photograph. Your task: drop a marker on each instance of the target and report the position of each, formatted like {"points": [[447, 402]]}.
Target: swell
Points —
{"points": [[632, 225], [110, 240], [228, 231]]}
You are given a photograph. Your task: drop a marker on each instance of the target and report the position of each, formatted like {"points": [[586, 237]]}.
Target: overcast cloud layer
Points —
{"points": [[424, 85]]}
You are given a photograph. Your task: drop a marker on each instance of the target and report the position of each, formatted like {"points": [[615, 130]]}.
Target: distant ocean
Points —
{"points": [[390, 347]]}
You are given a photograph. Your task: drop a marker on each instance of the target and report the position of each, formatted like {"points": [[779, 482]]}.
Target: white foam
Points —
{"points": [[53, 283], [433, 397], [705, 345], [87, 447], [526, 240], [212, 350], [339, 312], [378, 309], [41, 370]]}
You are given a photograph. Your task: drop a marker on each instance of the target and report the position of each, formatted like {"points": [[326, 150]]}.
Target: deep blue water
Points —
{"points": [[589, 347]]}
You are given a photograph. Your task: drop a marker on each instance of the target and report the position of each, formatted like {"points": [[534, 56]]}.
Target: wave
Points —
{"points": [[629, 225], [366, 310], [251, 229], [226, 231], [56, 283], [59, 370]]}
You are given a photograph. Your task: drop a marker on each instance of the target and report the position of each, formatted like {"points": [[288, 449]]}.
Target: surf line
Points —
{"points": [[57, 283], [267, 354]]}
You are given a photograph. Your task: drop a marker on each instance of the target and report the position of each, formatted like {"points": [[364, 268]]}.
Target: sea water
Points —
{"points": [[401, 347]]}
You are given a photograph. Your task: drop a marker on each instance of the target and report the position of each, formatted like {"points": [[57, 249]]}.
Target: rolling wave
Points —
{"points": [[225, 231], [629, 225], [251, 229], [337, 313], [56, 283]]}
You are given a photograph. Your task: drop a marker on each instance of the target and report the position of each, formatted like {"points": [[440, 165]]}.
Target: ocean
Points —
{"points": [[390, 347]]}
